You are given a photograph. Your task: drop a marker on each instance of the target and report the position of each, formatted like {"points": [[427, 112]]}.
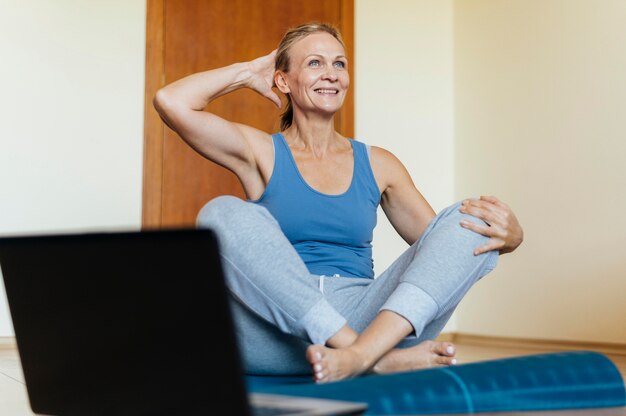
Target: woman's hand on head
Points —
{"points": [[504, 231], [262, 77]]}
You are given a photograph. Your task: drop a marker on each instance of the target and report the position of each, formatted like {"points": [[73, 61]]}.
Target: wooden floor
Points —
{"points": [[14, 399]]}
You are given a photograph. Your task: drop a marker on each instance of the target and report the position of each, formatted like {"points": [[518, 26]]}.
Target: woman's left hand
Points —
{"points": [[504, 231]]}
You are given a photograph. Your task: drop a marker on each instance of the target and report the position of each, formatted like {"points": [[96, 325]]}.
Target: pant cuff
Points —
{"points": [[412, 303], [321, 322]]}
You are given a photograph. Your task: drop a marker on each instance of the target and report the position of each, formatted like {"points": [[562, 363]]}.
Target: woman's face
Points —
{"points": [[318, 76]]}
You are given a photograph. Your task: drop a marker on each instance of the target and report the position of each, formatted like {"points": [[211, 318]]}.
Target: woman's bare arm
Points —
{"points": [[405, 207], [410, 213], [235, 146]]}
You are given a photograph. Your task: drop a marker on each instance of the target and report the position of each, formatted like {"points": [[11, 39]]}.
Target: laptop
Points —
{"points": [[131, 323]]}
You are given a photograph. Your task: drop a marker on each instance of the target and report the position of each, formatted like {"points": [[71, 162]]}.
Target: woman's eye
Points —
{"points": [[314, 62], [340, 64]]}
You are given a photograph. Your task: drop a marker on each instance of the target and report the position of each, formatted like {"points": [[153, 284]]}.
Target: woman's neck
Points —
{"points": [[314, 134]]}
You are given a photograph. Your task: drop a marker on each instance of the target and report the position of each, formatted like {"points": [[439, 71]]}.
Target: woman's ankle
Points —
{"points": [[363, 357], [343, 339]]}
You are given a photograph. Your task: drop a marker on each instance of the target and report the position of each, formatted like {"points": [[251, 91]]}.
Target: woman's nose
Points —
{"points": [[330, 74]]}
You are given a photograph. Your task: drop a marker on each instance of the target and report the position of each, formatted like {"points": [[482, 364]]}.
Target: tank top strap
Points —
{"points": [[284, 170], [363, 170], [279, 147]]}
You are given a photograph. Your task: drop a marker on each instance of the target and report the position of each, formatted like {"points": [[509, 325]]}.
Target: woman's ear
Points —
{"points": [[281, 82]]}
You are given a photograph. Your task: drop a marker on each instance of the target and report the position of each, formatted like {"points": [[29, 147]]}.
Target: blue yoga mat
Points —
{"points": [[555, 381]]}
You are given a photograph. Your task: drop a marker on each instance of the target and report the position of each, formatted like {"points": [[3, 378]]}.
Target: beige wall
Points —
{"points": [[404, 99], [540, 88], [71, 143]]}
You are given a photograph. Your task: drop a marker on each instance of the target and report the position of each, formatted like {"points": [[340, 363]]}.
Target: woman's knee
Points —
{"points": [[452, 210], [219, 210], [228, 214], [451, 218], [453, 214]]}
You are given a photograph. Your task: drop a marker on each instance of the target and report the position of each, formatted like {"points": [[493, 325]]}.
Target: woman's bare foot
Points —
{"points": [[330, 364], [423, 355]]}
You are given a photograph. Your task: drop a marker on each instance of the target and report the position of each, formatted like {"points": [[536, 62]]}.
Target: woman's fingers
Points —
{"points": [[262, 71], [262, 77], [266, 61], [494, 232], [492, 244], [485, 230], [479, 210], [273, 97], [492, 199], [495, 209], [503, 228]]}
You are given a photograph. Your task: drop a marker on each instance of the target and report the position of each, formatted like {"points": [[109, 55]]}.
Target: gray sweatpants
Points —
{"points": [[280, 308]]}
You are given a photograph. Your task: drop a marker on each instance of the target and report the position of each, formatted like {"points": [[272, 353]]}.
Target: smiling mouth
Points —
{"points": [[326, 91]]}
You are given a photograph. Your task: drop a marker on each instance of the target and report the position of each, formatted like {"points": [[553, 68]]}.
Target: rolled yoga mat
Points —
{"points": [[554, 381]]}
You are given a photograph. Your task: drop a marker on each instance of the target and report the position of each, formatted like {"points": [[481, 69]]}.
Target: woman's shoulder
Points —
{"points": [[379, 155], [387, 168], [382, 156]]}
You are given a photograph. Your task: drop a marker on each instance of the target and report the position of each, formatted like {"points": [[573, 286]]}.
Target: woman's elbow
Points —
{"points": [[162, 101], [167, 107]]}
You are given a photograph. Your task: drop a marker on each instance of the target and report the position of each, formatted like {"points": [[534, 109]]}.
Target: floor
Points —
{"points": [[14, 399]]}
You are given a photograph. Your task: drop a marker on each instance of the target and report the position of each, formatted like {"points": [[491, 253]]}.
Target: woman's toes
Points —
{"points": [[314, 354], [445, 361], [444, 348], [449, 349], [320, 377], [317, 372]]}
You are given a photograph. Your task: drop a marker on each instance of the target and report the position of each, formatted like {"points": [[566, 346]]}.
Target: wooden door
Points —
{"points": [[188, 36]]}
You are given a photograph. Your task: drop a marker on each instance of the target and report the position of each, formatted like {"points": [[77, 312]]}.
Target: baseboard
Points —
{"points": [[533, 344], [7, 343], [447, 337]]}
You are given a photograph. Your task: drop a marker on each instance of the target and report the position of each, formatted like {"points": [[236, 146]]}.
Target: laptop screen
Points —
{"points": [[123, 323]]}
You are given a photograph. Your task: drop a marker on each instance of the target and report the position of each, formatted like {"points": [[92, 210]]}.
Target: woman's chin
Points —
{"points": [[327, 109], [330, 108]]}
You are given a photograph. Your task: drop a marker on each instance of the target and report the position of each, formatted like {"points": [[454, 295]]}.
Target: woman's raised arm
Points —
{"points": [[232, 145]]}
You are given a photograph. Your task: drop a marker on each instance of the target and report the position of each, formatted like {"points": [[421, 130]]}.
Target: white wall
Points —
{"points": [[540, 93], [71, 136], [404, 99]]}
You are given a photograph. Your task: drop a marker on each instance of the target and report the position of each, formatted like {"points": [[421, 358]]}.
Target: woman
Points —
{"points": [[297, 254]]}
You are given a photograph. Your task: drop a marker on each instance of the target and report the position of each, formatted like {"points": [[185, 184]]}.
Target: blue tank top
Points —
{"points": [[331, 233]]}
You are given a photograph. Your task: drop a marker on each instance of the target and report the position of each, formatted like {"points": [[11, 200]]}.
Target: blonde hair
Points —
{"points": [[282, 56]]}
